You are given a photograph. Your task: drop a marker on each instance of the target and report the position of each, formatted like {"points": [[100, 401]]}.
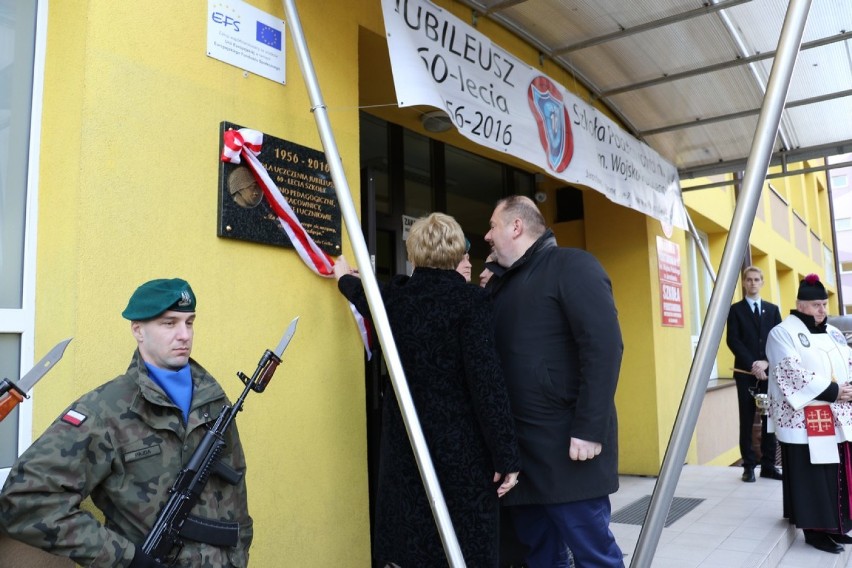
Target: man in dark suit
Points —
{"points": [[560, 343], [749, 322]]}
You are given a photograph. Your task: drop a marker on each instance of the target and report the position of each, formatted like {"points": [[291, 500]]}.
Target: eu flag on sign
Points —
{"points": [[269, 36]]}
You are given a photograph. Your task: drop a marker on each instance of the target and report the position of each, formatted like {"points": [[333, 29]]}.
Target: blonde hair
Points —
{"points": [[436, 241], [754, 269]]}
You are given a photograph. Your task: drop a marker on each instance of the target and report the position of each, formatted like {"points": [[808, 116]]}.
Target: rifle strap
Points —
{"points": [[211, 531]]}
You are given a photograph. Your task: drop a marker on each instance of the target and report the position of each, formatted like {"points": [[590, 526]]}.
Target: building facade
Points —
{"points": [[110, 176]]}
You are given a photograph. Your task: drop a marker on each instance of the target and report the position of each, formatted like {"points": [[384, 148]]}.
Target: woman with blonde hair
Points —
{"points": [[443, 330]]}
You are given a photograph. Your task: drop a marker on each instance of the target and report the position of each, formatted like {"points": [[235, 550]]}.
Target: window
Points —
{"points": [[828, 266], [21, 61], [839, 181], [413, 175], [701, 280], [474, 184], [419, 194]]}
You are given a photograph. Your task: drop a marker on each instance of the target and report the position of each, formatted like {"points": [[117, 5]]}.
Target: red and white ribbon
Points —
{"points": [[247, 143]]}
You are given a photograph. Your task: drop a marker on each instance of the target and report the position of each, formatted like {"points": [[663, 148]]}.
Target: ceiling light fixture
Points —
{"points": [[436, 121]]}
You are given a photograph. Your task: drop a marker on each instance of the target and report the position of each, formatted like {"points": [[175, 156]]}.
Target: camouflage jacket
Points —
{"points": [[125, 454]]}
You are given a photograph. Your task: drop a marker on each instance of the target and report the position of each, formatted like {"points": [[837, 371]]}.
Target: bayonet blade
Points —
{"points": [[288, 335], [41, 368]]}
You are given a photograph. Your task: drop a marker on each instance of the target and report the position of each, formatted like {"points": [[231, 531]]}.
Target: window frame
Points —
{"points": [[22, 321]]}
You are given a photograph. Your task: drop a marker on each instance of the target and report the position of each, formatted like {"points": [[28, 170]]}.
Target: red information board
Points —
{"points": [[671, 296]]}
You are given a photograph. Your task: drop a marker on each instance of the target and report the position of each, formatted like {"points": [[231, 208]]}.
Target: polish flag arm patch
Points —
{"points": [[74, 418]]}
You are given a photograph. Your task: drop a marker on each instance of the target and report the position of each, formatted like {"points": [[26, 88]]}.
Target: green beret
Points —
{"points": [[157, 296]]}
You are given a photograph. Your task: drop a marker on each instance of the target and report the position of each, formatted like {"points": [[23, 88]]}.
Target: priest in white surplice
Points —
{"points": [[810, 370]]}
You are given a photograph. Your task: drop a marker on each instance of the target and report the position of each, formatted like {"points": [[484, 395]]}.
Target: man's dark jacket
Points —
{"points": [[746, 335], [558, 337]]}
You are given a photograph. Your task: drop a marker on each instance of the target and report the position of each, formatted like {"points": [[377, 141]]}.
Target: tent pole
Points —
{"points": [[371, 288], [723, 291]]}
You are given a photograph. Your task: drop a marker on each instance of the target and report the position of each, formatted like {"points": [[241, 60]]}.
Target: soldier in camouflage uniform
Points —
{"points": [[123, 445]]}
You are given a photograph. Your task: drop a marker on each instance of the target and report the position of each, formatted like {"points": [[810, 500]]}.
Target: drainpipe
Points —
{"points": [[738, 184], [720, 299], [374, 299]]}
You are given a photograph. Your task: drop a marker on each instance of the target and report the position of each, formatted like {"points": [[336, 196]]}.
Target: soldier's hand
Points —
{"points": [[582, 450]]}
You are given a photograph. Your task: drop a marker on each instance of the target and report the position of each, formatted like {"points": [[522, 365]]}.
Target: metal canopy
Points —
{"points": [[688, 76]]}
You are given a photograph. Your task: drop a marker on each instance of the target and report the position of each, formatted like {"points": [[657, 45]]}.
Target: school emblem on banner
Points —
{"points": [[554, 126]]}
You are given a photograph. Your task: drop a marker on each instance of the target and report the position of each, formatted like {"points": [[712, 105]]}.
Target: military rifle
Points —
{"points": [[174, 523]]}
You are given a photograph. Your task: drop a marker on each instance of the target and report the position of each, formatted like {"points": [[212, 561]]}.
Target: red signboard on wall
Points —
{"points": [[671, 296]]}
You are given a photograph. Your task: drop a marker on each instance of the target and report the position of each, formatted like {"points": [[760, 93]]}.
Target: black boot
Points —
{"points": [[841, 538], [822, 541], [771, 472]]}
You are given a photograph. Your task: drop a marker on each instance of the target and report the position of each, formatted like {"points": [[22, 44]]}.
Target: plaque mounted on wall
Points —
{"points": [[302, 176]]}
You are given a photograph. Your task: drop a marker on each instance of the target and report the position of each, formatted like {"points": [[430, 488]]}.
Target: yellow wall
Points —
{"points": [[128, 192], [656, 358]]}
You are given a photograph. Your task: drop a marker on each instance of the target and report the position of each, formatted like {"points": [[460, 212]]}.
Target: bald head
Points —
{"points": [[525, 209], [515, 225]]}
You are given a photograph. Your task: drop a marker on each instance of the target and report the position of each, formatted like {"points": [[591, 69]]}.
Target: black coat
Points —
{"points": [[746, 336], [443, 329], [560, 343]]}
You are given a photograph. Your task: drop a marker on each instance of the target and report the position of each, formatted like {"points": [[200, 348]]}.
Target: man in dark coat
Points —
{"points": [[749, 322], [559, 341]]}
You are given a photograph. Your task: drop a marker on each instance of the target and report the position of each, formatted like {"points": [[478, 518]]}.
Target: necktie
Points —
{"points": [[756, 312]]}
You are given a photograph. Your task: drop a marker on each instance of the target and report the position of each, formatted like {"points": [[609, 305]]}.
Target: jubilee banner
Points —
{"points": [[498, 101]]}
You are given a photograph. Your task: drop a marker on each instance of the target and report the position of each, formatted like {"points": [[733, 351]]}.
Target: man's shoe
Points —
{"points": [[822, 541], [841, 538], [748, 475], [771, 473]]}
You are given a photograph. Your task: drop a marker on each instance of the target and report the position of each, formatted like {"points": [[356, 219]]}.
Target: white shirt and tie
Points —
{"points": [[755, 307]]}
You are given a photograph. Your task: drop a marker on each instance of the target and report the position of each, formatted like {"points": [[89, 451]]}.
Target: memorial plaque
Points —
{"points": [[302, 176]]}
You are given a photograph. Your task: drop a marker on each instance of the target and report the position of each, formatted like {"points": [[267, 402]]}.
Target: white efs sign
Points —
{"points": [[243, 36]]}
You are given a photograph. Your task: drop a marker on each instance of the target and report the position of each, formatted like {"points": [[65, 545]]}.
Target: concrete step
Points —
{"points": [[801, 555], [779, 544]]}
